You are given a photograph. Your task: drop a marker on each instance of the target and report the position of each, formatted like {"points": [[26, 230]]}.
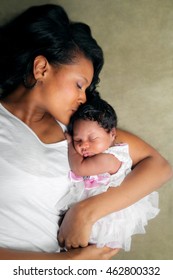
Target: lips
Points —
{"points": [[87, 154], [74, 110]]}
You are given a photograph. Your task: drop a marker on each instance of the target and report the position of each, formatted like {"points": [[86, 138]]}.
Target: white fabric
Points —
{"points": [[33, 178], [115, 230]]}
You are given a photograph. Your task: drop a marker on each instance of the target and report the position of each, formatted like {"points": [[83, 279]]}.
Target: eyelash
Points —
{"points": [[91, 140], [76, 141], [79, 86]]}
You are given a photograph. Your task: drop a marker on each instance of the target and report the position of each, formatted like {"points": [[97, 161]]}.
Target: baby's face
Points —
{"points": [[91, 139]]}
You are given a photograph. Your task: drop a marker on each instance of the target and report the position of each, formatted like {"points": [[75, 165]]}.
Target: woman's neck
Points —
{"points": [[24, 105]]}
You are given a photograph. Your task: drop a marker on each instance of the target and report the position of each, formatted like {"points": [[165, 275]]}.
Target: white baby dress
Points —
{"points": [[114, 230]]}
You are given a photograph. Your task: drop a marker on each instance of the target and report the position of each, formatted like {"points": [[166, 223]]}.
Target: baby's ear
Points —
{"points": [[113, 132], [68, 137]]}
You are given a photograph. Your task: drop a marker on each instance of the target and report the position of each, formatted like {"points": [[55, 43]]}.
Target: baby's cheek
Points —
{"points": [[78, 149], [101, 147]]}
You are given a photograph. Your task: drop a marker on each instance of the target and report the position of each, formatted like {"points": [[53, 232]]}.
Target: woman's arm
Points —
{"points": [[88, 253], [94, 165], [150, 172]]}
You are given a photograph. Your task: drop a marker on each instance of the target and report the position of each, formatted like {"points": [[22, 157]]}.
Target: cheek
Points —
{"points": [[64, 93], [78, 149], [102, 146], [70, 92], [98, 147]]}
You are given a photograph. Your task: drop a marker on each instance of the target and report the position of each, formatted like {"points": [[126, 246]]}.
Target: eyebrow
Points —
{"points": [[85, 79]]}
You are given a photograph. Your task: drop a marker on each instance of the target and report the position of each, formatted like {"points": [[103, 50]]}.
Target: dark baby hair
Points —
{"points": [[97, 110], [43, 30]]}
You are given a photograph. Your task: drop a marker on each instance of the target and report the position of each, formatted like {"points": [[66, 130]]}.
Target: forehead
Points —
{"points": [[88, 126], [85, 65], [79, 66]]}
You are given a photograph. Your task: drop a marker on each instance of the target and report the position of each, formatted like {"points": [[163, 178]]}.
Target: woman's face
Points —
{"points": [[90, 138], [65, 86]]}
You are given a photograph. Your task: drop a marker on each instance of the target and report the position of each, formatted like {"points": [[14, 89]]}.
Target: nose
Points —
{"points": [[82, 98], [84, 146]]}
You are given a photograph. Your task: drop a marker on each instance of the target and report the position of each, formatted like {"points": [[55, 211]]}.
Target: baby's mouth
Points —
{"points": [[87, 154]]}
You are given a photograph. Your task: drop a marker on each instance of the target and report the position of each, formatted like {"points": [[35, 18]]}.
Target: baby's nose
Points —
{"points": [[85, 145]]}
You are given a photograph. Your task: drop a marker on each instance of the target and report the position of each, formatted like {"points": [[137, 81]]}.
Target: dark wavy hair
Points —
{"points": [[95, 109], [44, 30]]}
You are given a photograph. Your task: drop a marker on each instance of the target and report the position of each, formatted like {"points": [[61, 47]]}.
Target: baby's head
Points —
{"points": [[93, 127]]}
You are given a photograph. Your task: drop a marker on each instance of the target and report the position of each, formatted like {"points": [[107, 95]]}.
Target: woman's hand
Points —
{"points": [[75, 229], [91, 252]]}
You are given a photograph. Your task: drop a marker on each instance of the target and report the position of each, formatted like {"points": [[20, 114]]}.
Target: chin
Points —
{"points": [[64, 122]]}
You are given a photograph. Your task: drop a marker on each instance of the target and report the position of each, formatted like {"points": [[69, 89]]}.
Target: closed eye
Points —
{"points": [[94, 138], [79, 86], [76, 140]]}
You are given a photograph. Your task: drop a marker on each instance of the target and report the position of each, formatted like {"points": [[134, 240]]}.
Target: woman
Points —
{"points": [[48, 65]]}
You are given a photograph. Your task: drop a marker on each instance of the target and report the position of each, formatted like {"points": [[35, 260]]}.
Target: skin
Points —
{"points": [[90, 141], [56, 95], [88, 253]]}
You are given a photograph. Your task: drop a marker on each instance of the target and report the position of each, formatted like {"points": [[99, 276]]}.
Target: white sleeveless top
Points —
{"points": [[33, 178]]}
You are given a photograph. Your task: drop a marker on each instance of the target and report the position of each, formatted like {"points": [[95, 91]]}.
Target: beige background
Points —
{"points": [[137, 79]]}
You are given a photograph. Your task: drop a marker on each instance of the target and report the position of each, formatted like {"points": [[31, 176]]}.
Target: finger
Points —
{"points": [[112, 252], [68, 246], [83, 245], [61, 242], [75, 246]]}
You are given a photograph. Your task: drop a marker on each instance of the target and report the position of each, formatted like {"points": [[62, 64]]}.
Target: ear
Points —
{"points": [[40, 67], [113, 132]]}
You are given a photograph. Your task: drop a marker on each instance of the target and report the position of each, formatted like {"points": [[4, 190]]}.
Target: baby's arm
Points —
{"points": [[97, 164]]}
